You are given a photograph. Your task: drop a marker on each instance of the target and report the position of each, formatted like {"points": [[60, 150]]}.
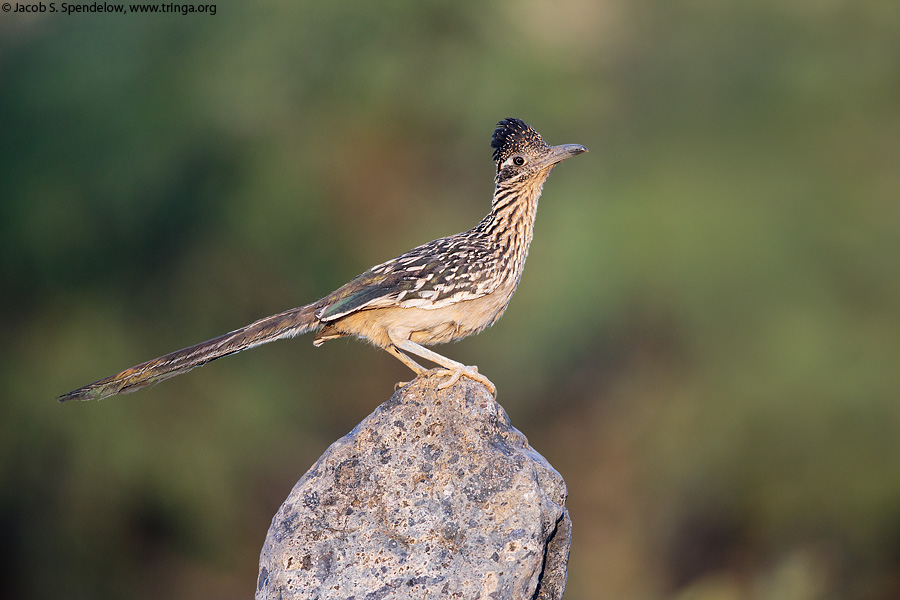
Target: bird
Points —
{"points": [[439, 292]]}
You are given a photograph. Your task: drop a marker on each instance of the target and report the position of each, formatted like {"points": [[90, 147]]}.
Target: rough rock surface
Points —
{"points": [[434, 495]]}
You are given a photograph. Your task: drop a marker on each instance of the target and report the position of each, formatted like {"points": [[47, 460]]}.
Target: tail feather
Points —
{"points": [[283, 325]]}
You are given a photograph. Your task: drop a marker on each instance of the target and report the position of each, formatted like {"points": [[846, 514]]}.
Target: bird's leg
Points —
{"points": [[416, 367], [456, 369]]}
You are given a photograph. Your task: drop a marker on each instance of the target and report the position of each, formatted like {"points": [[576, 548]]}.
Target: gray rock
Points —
{"points": [[434, 495]]}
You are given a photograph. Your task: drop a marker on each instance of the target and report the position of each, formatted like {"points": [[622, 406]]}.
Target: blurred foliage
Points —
{"points": [[705, 342]]}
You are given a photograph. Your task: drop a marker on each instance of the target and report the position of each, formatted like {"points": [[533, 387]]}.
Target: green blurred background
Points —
{"points": [[705, 342]]}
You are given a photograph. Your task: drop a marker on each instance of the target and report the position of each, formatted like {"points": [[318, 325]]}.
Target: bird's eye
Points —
{"points": [[518, 161]]}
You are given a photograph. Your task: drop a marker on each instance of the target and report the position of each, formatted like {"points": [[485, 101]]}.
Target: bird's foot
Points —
{"points": [[400, 384], [473, 374]]}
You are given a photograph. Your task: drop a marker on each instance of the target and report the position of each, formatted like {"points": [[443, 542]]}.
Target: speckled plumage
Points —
{"points": [[438, 292]]}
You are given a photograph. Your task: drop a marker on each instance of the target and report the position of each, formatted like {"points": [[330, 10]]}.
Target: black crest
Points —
{"points": [[514, 135]]}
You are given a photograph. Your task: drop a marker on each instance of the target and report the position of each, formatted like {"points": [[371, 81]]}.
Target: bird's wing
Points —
{"points": [[431, 276]]}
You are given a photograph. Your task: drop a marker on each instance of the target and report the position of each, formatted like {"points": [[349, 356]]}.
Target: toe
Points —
{"points": [[454, 377]]}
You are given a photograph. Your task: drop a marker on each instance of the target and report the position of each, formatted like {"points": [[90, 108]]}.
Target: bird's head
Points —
{"points": [[520, 152]]}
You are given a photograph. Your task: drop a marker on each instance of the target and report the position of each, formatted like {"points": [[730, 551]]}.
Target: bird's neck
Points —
{"points": [[513, 210], [510, 224]]}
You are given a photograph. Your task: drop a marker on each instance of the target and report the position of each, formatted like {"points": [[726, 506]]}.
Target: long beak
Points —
{"points": [[560, 153]]}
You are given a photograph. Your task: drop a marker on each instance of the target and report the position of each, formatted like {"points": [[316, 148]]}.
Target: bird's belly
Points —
{"points": [[423, 326]]}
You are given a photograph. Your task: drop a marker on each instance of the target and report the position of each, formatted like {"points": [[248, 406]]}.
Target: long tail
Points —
{"points": [[287, 324]]}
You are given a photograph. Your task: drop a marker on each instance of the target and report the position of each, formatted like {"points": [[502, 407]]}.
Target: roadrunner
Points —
{"points": [[439, 292]]}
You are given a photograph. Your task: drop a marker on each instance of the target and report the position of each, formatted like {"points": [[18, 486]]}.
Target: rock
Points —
{"points": [[434, 495]]}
